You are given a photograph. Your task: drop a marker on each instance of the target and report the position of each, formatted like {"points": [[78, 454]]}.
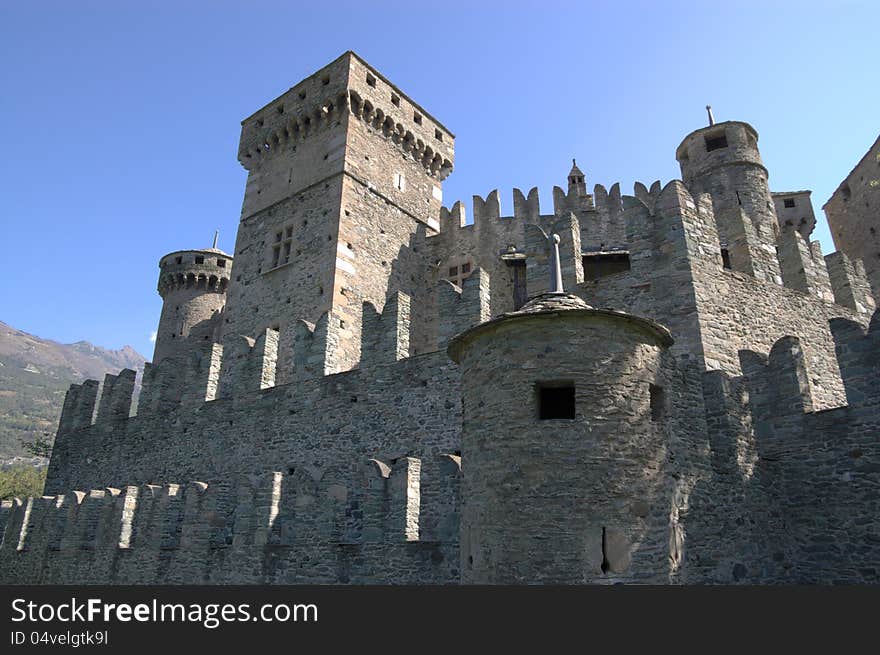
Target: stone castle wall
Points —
{"points": [[755, 484], [309, 425], [853, 213]]}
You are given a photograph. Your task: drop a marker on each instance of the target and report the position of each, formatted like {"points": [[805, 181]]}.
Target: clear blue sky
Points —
{"points": [[119, 120]]}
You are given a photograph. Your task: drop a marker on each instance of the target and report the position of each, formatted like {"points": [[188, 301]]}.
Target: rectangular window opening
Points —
{"points": [[555, 400], [601, 264], [200, 260], [788, 203], [725, 259], [716, 142], [658, 402]]}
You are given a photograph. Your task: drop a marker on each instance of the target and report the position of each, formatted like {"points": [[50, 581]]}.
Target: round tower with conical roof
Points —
{"points": [[193, 285], [564, 435]]}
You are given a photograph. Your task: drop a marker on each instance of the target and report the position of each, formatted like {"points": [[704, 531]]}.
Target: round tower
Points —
{"points": [[723, 160], [564, 436], [193, 285]]}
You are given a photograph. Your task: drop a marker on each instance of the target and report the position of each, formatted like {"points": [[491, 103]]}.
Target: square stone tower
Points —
{"points": [[344, 175]]}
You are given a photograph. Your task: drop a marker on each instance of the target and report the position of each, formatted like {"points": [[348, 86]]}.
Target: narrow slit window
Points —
{"points": [[658, 402], [725, 259]]}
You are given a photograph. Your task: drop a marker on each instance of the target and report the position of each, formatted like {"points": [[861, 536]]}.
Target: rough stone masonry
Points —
{"points": [[374, 389]]}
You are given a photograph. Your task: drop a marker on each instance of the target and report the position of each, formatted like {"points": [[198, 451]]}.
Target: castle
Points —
{"points": [[673, 386]]}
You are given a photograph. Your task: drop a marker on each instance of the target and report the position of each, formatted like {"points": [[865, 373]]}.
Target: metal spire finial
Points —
{"points": [[711, 117], [555, 267], [216, 236]]}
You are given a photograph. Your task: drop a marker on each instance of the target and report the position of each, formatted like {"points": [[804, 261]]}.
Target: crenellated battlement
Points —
{"points": [[385, 122], [772, 405], [79, 406], [202, 532], [300, 114], [858, 353], [780, 388], [204, 270], [116, 396], [462, 307]]}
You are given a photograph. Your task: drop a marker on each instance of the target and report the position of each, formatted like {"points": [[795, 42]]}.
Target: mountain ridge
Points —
{"points": [[35, 374]]}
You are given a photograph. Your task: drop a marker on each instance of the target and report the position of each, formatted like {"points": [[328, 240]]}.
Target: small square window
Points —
{"points": [[200, 260], [788, 203], [371, 81], [555, 400], [417, 117], [178, 260], [453, 271], [325, 80], [395, 100], [466, 268], [221, 263], [716, 142], [438, 135]]}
